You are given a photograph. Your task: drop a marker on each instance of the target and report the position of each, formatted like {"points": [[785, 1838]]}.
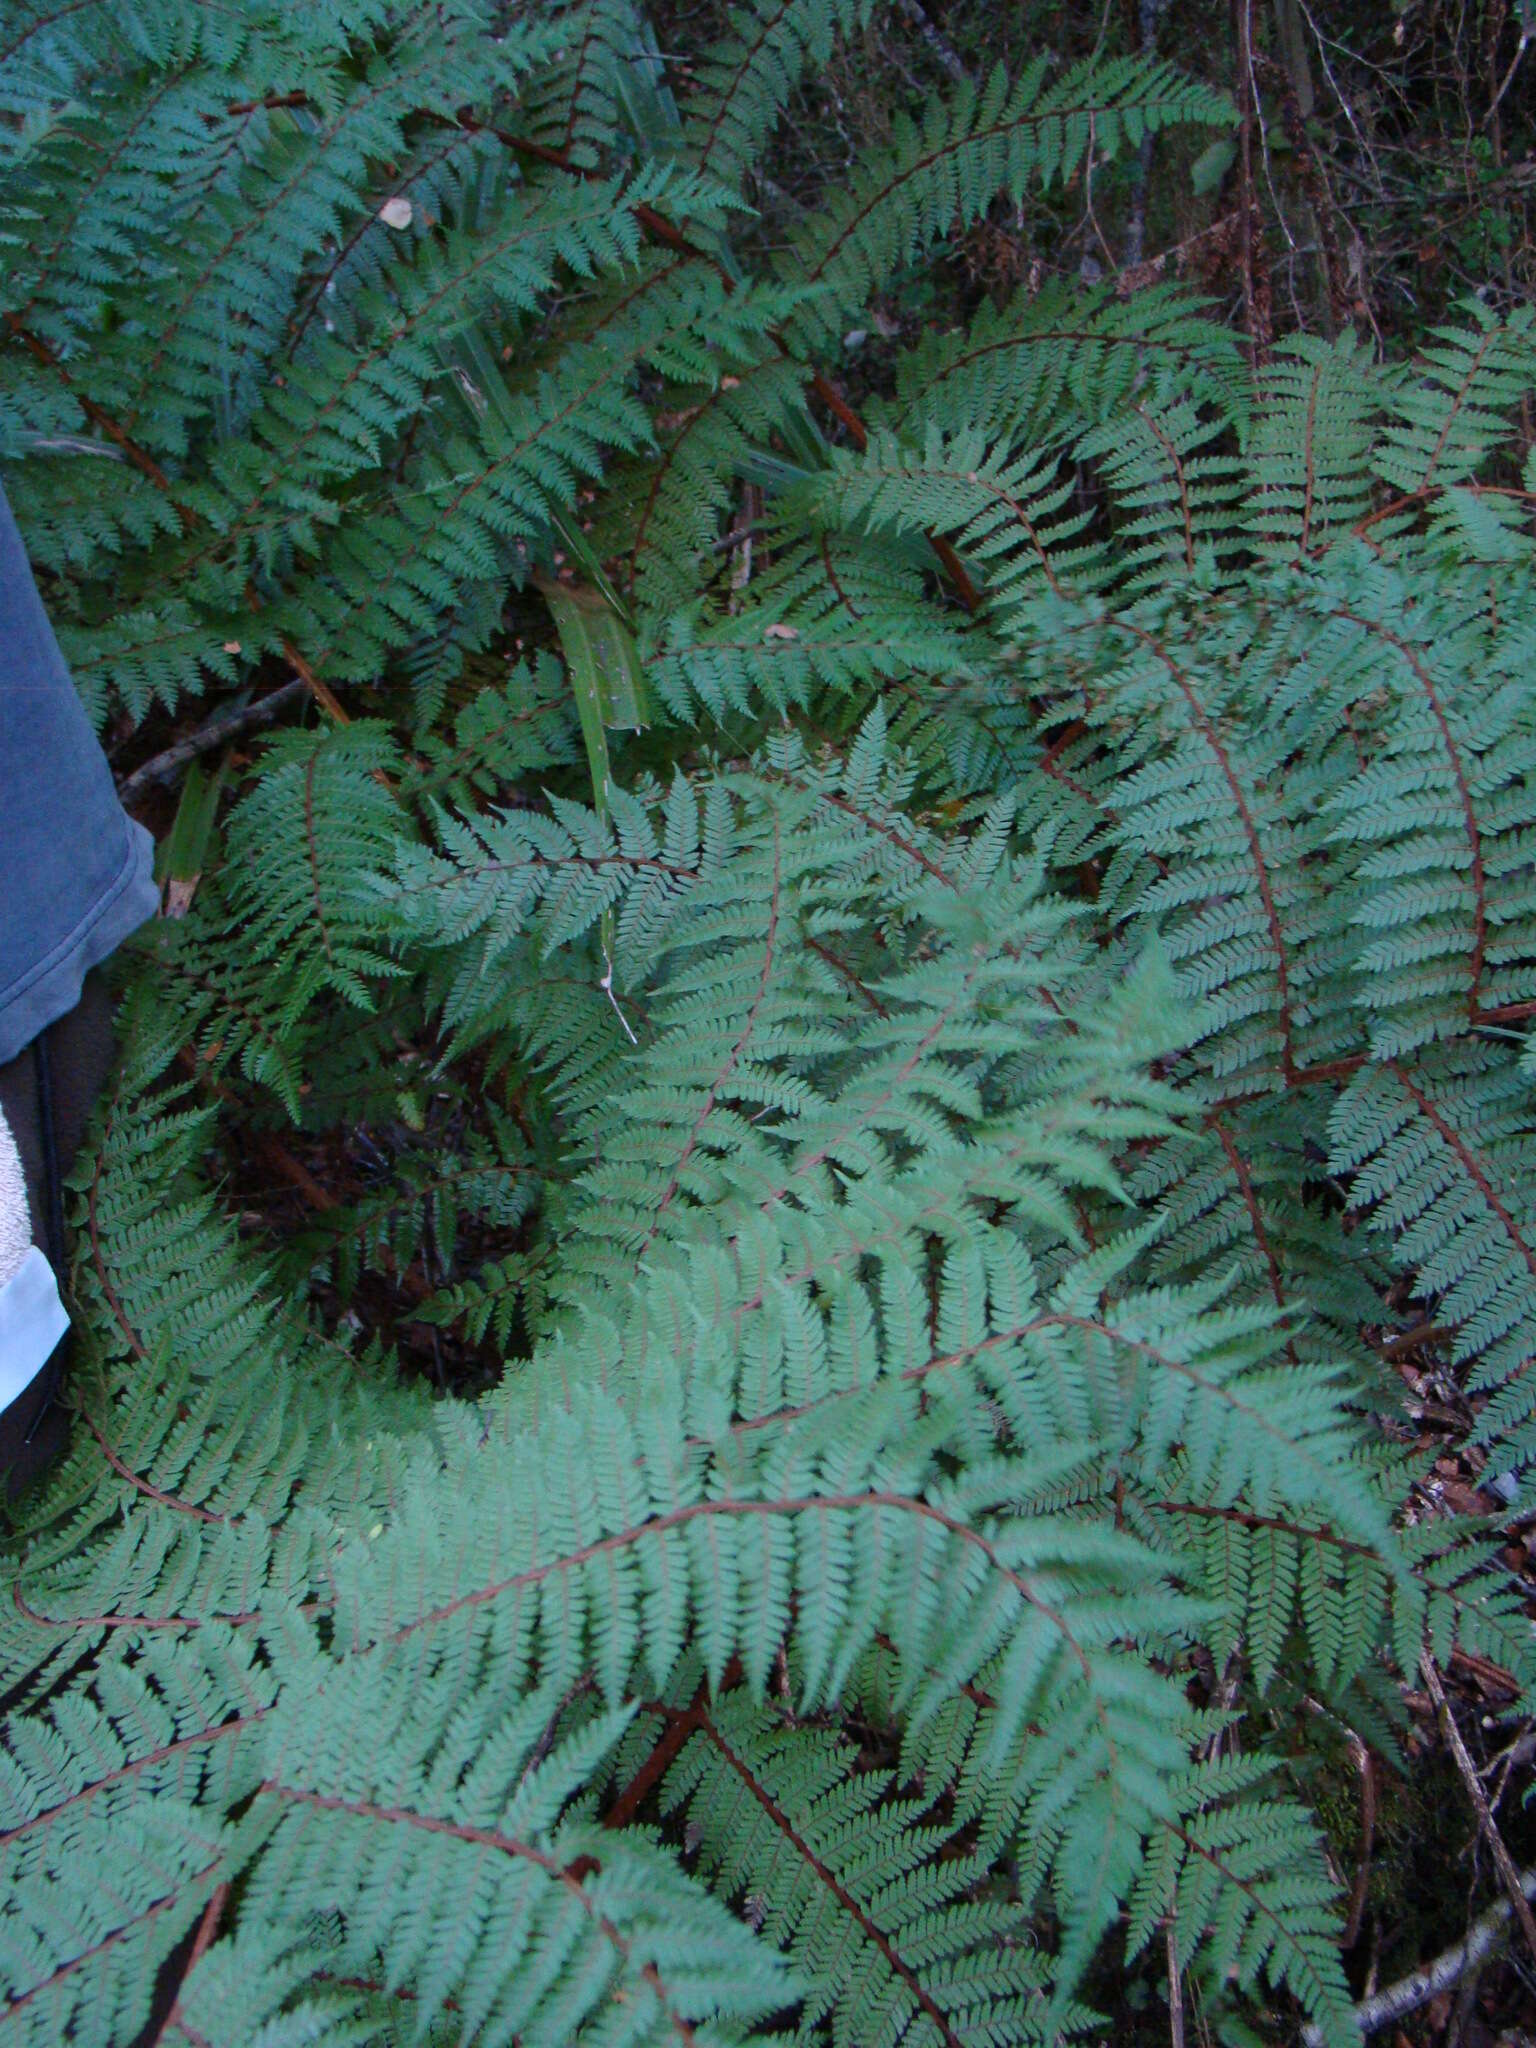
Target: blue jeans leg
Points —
{"points": [[75, 874]]}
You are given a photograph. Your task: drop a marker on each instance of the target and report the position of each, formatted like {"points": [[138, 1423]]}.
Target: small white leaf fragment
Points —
{"points": [[396, 212], [179, 892]]}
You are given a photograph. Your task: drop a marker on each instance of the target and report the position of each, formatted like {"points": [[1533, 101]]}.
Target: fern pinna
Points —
{"points": [[911, 1022]]}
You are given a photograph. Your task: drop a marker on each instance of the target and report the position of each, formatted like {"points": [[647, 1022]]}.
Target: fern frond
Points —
{"points": [[829, 1863], [538, 1923], [1042, 366], [1437, 818], [1245, 1889], [572, 108], [1455, 411], [968, 150], [1436, 1147], [1312, 441], [747, 77]]}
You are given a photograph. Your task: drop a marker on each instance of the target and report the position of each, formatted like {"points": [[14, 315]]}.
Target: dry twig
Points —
{"points": [[1503, 1862], [1175, 1990]]}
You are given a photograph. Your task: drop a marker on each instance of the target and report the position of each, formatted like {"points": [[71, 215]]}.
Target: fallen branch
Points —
{"points": [[942, 51], [1409, 1993], [224, 725], [1135, 277]]}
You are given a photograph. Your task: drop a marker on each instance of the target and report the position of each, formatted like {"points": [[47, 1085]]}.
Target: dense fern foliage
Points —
{"points": [[873, 1020]]}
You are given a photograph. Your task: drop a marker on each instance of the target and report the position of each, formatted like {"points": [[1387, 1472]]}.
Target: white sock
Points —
{"points": [[32, 1318], [15, 1222]]}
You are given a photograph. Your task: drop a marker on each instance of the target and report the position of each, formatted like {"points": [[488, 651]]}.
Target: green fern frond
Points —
{"points": [[1438, 1150], [1042, 365], [541, 1925], [1455, 412], [827, 1862], [968, 150]]}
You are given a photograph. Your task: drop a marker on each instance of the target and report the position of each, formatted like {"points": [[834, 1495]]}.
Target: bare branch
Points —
{"points": [[1448, 1968], [224, 725]]}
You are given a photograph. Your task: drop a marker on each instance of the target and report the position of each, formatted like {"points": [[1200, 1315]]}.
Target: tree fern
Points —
{"points": [[909, 1139]]}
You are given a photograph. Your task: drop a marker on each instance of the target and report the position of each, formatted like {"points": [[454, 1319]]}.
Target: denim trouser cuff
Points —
{"points": [[52, 987]]}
